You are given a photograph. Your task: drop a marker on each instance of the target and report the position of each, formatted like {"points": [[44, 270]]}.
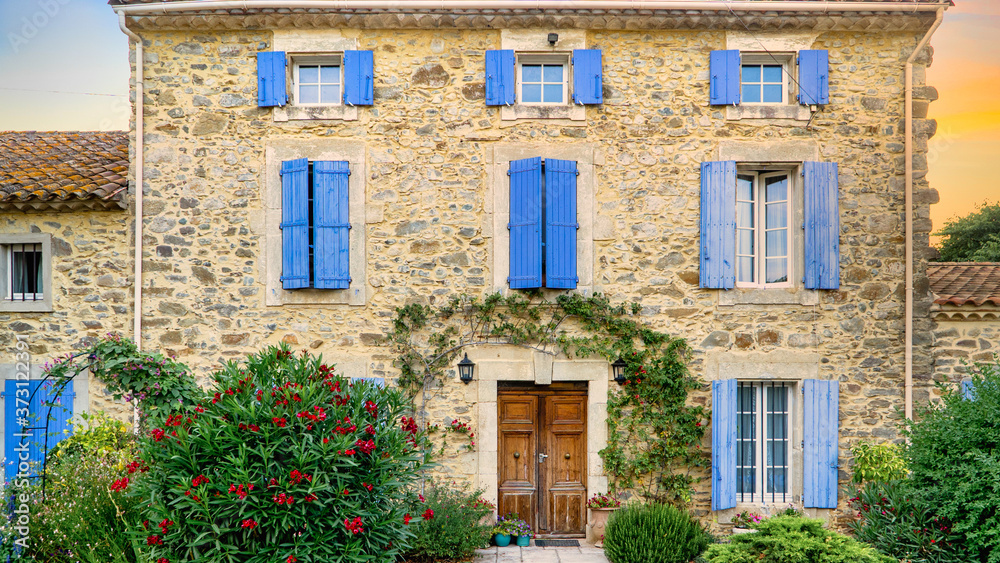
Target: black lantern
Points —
{"points": [[465, 369], [553, 37], [618, 369]]}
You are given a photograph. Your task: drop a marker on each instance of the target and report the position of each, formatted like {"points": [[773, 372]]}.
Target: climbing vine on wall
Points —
{"points": [[653, 434]]}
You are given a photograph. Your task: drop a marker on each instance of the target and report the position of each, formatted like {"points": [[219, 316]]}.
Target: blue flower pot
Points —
{"points": [[523, 541], [502, 540]]}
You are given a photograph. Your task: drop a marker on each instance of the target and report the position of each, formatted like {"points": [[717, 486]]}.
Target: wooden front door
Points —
{"points": [[542, 456]]}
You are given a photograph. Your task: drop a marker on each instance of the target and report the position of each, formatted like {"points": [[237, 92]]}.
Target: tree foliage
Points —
{"points": [[973, 238]]}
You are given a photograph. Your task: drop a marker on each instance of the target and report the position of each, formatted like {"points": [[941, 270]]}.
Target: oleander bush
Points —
{"points": [[287, 461], [653, 533], [793, 539], [448, 522]]}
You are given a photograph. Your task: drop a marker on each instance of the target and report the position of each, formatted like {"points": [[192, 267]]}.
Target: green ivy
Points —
{"points": [[653, 434]]}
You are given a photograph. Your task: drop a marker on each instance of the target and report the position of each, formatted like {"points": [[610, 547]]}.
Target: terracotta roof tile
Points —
{"points": [[62, 166], [963, 283], [403, 2]]}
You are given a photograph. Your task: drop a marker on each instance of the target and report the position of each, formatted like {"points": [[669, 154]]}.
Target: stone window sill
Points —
{"points": [[795, 112], [519, 112], [299, 113], [768, 297]]}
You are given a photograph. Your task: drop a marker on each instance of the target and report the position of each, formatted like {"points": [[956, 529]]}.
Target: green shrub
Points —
{"points": [[447, 522], [880, 463], [889, 520], [86, 513], [653, 533], [793, 539], [954, 461], [287, 462]]}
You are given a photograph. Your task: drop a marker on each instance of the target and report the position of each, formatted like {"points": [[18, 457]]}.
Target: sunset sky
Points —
{"points": [[67, 69]]}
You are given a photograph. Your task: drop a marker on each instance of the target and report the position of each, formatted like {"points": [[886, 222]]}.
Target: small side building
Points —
{"points": [[967, 310]]}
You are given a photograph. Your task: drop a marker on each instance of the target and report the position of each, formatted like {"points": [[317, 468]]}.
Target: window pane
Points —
{"points": [[777, 270], [27, 272], [308, 74], [745, 484], [751, 73], [776, 481], [751, 94], [776, 188], [772, 93], [330, 94], [776, 243], [744, 188], [772, 73], [553, 73], [777, 215], [531, 73], [531, 93], [553, 93], [308, 94], [330, 74], [745, 267], [744, 214], [744, 241]]}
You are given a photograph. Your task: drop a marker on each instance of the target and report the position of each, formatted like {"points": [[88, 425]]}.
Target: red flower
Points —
{"points": [[366, 446], [367, 486], [282, 498], [281, 422], [407, 518], [346, 491], [157, 434], [372, 409], [199, 480], [297, 477], [309, 498], [354, 526], [249, 523], [428, 514], [291, 559], [154, 540], [165, 525], [349, 452], [163, 560], [120, 484]]}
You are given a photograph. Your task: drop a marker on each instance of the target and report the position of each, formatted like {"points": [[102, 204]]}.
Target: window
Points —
{"points": [[314, 222], [318, 81], [763, 237], [769, 78], [762, 449], [26, 272], [543, 224], [542, 80], [763, 83], [747, 239]]}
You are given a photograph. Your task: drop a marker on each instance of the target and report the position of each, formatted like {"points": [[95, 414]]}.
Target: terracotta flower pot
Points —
{"points": [[598, 521]]}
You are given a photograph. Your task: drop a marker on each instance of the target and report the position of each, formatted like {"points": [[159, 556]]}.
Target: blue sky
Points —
{"points": [[53, 53]]}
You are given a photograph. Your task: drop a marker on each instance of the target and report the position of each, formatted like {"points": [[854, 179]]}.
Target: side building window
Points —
{"points": [[543, 224], [747, 239], [753, 434], [26, 272]]}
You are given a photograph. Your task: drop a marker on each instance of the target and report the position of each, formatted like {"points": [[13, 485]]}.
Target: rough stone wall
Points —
{"points": [[428, 138], [91, 277], [960, 342]]}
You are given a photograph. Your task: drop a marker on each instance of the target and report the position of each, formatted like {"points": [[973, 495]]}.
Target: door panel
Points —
{"points": [[542, 456]]}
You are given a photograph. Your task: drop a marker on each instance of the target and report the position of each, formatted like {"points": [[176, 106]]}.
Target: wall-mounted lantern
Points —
{"points": [[618, 369], [466, 369]]}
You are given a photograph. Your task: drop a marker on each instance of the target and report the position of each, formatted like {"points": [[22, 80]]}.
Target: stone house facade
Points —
{"points": [[740, 173]]}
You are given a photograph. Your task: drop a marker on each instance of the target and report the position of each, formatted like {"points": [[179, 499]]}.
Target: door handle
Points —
{"points": [[541, 458]]}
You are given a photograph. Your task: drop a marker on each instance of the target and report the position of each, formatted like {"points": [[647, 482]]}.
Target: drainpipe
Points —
{"points": [[908, 383], [137, 283], [400, 5]]}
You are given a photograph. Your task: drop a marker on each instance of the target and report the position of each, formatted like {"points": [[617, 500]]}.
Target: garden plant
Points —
{"points": [[448, 522], [653, 533]]}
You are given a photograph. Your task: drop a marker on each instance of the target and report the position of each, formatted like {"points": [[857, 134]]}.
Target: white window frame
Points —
{"points": [[310, 46], [760, 230], [325, 60], [785, 60], [16, 302], [544, 59], [760, 495], [9, 251]]}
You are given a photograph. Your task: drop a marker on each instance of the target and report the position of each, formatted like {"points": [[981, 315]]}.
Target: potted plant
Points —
{"points": [[601, 506], [520, 529], [744, 521], [502, 531]]}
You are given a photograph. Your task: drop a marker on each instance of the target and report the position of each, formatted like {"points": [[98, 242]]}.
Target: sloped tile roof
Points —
{"points": [[964, 283], [54, 167]]}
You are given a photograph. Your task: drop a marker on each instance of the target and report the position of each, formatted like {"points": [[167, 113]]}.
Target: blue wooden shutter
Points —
{"points": [[587, 82], [724, 81], [295, 223], [814, 77], [968, 390], [560, 224], [718, 224], [822, 226], [821, 413], [331, 225], [359, 76], [525, 223], [500, 77], [271, 89], [723, 444], [59, 426]]}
